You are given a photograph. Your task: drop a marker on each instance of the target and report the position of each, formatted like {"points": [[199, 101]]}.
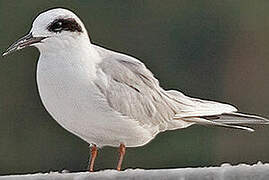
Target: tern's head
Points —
{"points": [[53, 29]]}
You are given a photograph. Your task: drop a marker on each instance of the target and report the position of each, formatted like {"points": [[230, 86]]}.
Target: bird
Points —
{"points": [[108, 98]]}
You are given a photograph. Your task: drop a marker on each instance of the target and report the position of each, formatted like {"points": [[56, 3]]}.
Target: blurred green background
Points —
{"points": [[210, 49]]}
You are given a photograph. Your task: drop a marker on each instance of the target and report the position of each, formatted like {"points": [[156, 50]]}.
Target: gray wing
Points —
{"points": [[131, 89]]}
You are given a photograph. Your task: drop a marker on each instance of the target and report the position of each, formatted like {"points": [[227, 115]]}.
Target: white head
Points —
{"points": [[53, 29]]}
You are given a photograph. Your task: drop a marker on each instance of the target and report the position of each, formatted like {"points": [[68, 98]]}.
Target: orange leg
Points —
{"points": [[93, 156], [122, 153]]}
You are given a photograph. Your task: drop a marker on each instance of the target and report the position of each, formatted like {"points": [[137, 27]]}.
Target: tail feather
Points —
{"points": [[239, 118], [202, 121], [206, 112]]}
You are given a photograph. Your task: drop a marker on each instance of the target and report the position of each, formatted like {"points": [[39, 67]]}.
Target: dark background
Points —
{"points": [[210, 49]]}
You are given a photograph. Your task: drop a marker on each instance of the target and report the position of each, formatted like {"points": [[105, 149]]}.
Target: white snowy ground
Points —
{"points": [[258, 171]]}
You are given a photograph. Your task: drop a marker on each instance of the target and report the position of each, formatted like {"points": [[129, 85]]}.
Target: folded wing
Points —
{"points": [[132, 90]]}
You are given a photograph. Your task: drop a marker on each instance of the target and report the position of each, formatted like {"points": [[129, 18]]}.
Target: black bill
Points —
{"points": [[23, 42]]}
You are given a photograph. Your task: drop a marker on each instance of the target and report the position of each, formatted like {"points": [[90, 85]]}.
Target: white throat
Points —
{"points": [[68, 53]]}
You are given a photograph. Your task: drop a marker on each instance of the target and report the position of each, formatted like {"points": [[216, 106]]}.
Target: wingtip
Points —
{"points": [[245, 128], [250, 130]]}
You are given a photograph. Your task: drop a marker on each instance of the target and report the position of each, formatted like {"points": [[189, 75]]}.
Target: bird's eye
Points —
{"points": [[57, 26]]}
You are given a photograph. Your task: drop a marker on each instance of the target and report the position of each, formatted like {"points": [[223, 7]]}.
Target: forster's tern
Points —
{"points": [[108, 98]]}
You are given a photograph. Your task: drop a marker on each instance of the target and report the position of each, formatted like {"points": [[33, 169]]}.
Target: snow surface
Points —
{"points": [[257, 171]]}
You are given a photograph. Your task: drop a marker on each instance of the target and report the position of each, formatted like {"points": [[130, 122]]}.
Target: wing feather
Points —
{"points": [[132, 90]]}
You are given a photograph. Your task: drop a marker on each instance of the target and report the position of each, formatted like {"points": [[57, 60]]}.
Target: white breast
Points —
{"points": [[66, 88]]}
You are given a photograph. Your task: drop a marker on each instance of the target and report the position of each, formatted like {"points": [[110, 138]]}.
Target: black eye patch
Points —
{"points": [[68, 24]]}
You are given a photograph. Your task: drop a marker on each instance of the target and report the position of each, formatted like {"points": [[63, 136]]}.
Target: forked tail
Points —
{"points": [[229, 120]]}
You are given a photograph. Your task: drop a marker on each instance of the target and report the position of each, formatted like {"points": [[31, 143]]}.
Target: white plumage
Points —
{"points": [[108, 98]]}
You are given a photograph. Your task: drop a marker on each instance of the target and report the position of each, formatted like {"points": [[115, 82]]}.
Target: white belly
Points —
{"points": [[70, 96]]}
